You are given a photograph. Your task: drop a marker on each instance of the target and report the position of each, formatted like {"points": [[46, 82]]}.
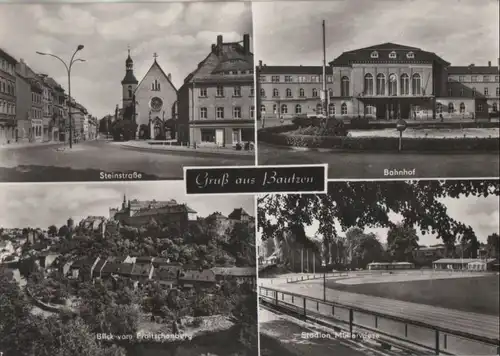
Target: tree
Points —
{"points": [[493, 245], [401, 241], [369, 204], [63, 231], [52, 230]]}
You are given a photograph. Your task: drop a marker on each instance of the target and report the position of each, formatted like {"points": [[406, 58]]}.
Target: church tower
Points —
{"points": [[129, 82]]}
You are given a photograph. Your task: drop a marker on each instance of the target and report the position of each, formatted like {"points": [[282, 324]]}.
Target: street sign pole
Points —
{"points": [[401, 126]]}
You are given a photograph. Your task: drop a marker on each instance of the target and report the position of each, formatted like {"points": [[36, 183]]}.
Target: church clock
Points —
{"points": [[156, 104]]}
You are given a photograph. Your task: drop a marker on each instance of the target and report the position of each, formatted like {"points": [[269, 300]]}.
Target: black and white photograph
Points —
{"points": [[380, 268], [379, 89], [126, 269], [124, 91]]}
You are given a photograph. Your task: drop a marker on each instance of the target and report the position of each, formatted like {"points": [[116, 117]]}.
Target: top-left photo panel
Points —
{"points": [[124, 91]]}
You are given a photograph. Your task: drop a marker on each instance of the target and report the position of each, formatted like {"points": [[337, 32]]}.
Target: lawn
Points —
{"points": [[476, 294]]}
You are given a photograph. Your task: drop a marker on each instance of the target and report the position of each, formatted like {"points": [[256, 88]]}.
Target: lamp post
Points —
{"points": [[68, 70]]}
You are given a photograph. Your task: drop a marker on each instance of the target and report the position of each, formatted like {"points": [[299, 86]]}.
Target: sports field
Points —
{"points": [[472, 294]]}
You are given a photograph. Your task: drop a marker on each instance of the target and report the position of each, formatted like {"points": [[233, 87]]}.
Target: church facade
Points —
{"points": [[151, 103]]}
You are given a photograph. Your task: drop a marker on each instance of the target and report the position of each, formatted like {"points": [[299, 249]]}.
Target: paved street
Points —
{"points": [[368, 165], [88, 159], [282, 337], [478, 324]]}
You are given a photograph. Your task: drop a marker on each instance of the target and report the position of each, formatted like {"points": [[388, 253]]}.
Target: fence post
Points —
{"points": [[351, 319], [437, 343], [305, 307], [406, 330], [445, 341], [376, 321], [276, 297], [333, 309]]}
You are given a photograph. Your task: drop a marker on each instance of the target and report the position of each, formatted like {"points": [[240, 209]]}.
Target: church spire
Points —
{"points": [[129, 73]]}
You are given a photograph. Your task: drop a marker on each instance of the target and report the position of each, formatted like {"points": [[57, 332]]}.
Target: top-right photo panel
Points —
{"points": [[379, 89]]}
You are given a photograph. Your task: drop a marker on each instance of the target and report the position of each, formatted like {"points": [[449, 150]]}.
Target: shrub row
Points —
{"points": [[381, 143], [366, 123]]}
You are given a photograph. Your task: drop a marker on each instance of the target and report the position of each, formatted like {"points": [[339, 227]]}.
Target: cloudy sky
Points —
{"points": [[41, 205], [460, 31], [480, 213], [180, 33]]}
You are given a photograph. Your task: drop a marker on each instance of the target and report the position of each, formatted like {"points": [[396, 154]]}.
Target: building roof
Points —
{"points": [[196, 275], [472, 69], [7, 57], [166, 272], [156, 65], [313, 70], [99, 265], [160, 261], [462, 260], [237, 214], [83, 262], [141, 269], [143, 259], [363, 55], [235, 271], [228, 57]]}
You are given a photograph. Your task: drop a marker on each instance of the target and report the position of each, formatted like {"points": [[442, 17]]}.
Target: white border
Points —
{"points": [[325, 178]]}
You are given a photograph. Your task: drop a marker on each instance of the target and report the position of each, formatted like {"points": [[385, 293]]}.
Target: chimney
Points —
{"points": [[219, 44], [260, 63], [246, 43], [489, 63], [169, 76]]}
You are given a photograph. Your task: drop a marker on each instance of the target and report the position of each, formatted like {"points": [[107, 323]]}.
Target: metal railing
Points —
{"points": [[308, 277], [388, 329]]}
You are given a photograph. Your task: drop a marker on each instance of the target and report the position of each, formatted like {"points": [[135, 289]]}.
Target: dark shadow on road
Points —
{"points": [[32, 173], [194, 153]]}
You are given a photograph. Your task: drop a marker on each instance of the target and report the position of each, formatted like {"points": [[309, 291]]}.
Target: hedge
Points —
{"points": [[380, 143], [366, 123]]}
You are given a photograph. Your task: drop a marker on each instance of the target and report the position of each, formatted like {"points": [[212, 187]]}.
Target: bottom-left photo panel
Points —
{"points": [[122, 269]]}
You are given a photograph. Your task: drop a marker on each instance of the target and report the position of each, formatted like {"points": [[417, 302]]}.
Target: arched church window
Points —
{"points": [[129, 91]]}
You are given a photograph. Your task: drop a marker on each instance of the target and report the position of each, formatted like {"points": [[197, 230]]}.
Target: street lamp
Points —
{"points": [[68, 70]]}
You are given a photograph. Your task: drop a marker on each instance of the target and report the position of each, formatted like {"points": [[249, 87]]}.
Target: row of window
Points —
{"points": [[392, 55], [36, 98], [36, 114], [296, 79], [380, 87], [474, 78], [7, 67], [203, 92], [451, 108], [220, 113], [7, 108], [7, 87], [389, 87], [288, 92], [474, 91], [283, 109]]}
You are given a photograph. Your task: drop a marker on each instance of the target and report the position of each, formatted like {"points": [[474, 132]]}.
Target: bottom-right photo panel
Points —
{"points": [[380, 268]]}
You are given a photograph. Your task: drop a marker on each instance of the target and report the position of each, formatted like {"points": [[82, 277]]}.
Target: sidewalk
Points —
{"points": [[143, 145], [17, 145]]}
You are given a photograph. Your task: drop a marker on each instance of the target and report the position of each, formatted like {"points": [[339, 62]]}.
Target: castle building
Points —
{"points": [[152, 102], [385, 81], [139, 213], [216, 101]]}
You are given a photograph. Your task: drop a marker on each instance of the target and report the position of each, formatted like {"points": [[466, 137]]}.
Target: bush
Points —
{"points": [[360, 123], [380, 143]]}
